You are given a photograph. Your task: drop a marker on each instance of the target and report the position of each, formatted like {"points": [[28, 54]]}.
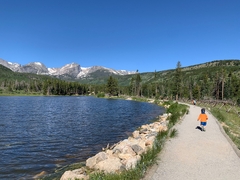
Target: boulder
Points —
{"points": [[145, 126], [110, 165], [133, 140], [135, 134], [143, 131], [137, 149], [122, 144], [91, 162], [75, 174], [128, 150], [139, 142], [149, 142], [125, 156], [132, 162]]}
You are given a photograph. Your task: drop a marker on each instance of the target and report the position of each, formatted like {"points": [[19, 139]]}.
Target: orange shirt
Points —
{"points": [[203, 118]]}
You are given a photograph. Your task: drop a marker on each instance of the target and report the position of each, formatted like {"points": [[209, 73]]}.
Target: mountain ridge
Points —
{"points": [[72, 70]]}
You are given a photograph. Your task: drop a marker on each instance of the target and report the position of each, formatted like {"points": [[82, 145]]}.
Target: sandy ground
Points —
{"points": [[195, 154]]}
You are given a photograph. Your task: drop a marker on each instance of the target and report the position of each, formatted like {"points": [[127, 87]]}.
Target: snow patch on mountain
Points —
{"points": [[38, 63], [52, 71], [10, 65], [84, 72], [73, 69]]}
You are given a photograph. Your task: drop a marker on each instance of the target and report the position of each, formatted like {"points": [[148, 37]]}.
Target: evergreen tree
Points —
{"points": [[112, 86], [138, 85], [177, 81]]}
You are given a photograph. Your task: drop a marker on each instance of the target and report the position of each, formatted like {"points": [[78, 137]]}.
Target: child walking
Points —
{"points": [[203, 119]]}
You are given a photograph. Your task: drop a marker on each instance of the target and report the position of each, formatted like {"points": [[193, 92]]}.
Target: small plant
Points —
{"points": [[173, 133], [170, 125], [167, 103], [100, 95]]}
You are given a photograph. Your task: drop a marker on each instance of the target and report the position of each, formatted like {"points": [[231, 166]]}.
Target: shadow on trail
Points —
{"points": [[199, 128]]}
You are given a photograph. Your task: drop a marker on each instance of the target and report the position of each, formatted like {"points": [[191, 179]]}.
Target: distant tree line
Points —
{"points": [[211, 82], [46, 87], [216, 83]]}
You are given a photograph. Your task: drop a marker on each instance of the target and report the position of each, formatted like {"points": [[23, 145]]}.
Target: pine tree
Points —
{"points": [[177, 81], [138, 86], [112, 86]]}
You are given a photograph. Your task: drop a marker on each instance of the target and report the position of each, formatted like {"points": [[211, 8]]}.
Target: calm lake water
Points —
{"points": [[44, 133]]}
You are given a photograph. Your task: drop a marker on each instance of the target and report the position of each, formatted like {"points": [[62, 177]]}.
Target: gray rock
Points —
{"points": [[91, 162], [137, 149]]}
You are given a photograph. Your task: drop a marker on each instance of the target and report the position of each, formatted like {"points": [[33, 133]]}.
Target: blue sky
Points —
{"points": [[128, 34]]}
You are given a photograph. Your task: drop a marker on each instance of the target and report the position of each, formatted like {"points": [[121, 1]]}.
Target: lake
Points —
{"points": [[44, 133]]}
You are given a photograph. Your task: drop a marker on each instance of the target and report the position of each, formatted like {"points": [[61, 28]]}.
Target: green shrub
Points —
{"points": [[101, 94], [173, 108], [184, 111], [167, 103]]}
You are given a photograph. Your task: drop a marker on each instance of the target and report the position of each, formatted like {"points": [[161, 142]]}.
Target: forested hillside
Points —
{"points": [[27, 83], [212, 80]]}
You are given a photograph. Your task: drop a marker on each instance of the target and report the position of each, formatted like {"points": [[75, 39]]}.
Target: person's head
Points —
{"points": [[203, 110]]}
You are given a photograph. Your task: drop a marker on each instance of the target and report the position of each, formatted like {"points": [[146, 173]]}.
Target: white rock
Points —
{"points": [[111, 165], [125, 156], [132, 162], [75, 174], [135, 134], [128, 150]]}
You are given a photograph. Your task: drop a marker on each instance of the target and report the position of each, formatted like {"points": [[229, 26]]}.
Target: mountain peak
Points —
{"points": [[72, 70], [10, 65], [38, 63]]}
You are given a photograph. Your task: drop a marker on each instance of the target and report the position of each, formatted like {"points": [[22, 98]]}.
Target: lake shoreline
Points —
{"points": [[83, 164], [36, 117]]}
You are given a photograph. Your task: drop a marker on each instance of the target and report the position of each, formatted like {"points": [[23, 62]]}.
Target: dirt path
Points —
{"points": [[194, 154]]}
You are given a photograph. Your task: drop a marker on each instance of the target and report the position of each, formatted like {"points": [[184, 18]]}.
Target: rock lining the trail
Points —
{"points": [[124, 155]]}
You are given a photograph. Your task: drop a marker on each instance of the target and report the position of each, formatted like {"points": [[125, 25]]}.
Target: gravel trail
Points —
{"points": [[197, 155]]}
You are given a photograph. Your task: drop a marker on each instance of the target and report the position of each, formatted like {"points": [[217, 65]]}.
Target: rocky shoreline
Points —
{"points": [[123, 155]]}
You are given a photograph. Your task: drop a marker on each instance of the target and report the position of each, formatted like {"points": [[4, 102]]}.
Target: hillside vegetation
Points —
{"points": [[212, 80], [15, 83], [195, 70]]}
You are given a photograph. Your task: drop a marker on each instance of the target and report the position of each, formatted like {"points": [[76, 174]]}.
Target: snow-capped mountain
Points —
{"points": [[72, 70], [89, 70], [10, 65], [35, 67]]}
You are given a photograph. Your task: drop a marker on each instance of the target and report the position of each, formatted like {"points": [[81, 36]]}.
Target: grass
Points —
{"points": [[229, 120], [173, 133]]}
